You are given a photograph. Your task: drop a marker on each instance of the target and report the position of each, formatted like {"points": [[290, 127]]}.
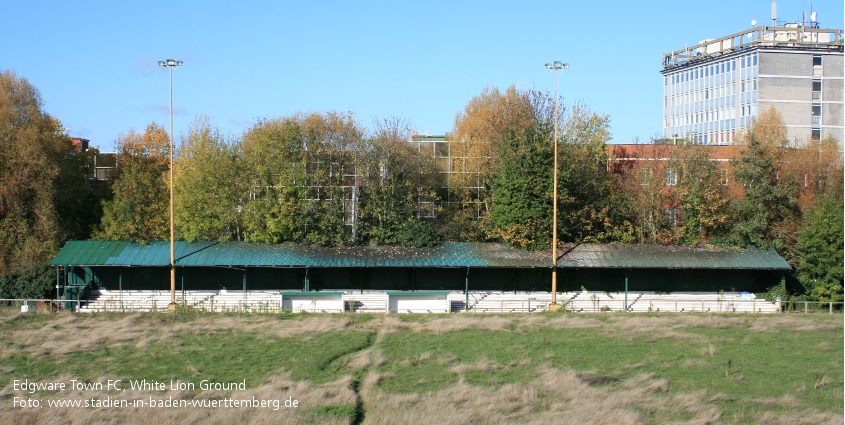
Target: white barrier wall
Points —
{"points": [[418, 302], [313, 302]]}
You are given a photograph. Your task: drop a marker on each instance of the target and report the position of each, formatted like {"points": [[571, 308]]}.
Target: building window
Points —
{"points": [[671, 216], [817, 66], [816, 134], [671, 177], [817, 114], [817, 91], [723, 176], [645, 176]]}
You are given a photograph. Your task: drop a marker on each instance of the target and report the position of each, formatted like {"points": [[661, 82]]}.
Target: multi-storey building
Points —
{"points": [[714, 90]]}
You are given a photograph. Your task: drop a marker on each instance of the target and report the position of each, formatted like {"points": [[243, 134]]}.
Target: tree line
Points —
{"points": [[324, 178]]}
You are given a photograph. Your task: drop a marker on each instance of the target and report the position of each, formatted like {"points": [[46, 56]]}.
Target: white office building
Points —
{"points": [[713, 90]]}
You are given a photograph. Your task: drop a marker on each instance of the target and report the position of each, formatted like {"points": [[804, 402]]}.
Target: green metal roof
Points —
{"points": [[644, 256], [247, 254], [89, 252], [450, 254]]}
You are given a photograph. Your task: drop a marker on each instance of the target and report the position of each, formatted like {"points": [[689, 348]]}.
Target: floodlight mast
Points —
{"points": [[170, 64], [555, 66]]}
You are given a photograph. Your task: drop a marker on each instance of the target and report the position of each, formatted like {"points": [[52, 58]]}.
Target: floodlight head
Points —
{"points": [[170, 63], [557, 65]]}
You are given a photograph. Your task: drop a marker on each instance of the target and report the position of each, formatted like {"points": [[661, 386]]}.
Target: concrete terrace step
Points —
{"points": [[480, 302]]}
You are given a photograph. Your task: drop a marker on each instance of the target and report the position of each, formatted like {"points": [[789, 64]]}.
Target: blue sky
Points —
{"points": [[95, 62]]}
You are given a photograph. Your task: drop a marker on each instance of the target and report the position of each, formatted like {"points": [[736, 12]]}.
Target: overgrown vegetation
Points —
{"points": [[44, 197], [655, 368], [323, 178]]}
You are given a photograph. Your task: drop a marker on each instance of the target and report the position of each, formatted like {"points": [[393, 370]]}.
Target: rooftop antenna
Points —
{"points": [[774, 13], [814, 17]]}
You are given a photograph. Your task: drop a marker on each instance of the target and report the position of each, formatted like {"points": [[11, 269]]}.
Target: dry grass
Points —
{"points": [[366, 359], [71, 333], [631, 392], [506, 323], [771, 418], [556, 397], [791, 323]]}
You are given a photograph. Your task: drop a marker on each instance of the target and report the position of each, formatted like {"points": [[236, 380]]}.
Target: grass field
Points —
{"points": [[538, 368]]}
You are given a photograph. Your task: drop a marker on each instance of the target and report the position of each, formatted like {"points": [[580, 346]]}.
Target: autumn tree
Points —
{"points": [[40, 172], [209, 192], [815, 170], [643, 202], [140, 208], [479, 131], [703, 201]]}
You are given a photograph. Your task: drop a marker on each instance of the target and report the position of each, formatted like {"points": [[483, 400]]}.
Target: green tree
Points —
{"points": [[769, 203], [140, 208], [397, 177], [585, 210], [820, 244], [273, 160], [208, 191], [522, 207], [298, 165], [333, 142]]}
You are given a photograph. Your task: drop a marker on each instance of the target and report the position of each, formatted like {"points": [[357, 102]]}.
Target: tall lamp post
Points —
{"points": [[556, 66], [170, 64]]}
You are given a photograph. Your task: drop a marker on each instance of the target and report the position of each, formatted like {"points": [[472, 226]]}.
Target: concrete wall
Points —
{"points": [[313, 303], [785, 82], [419, 304], [833, 114], [785, 88], [780, 63], [832, 66]]}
